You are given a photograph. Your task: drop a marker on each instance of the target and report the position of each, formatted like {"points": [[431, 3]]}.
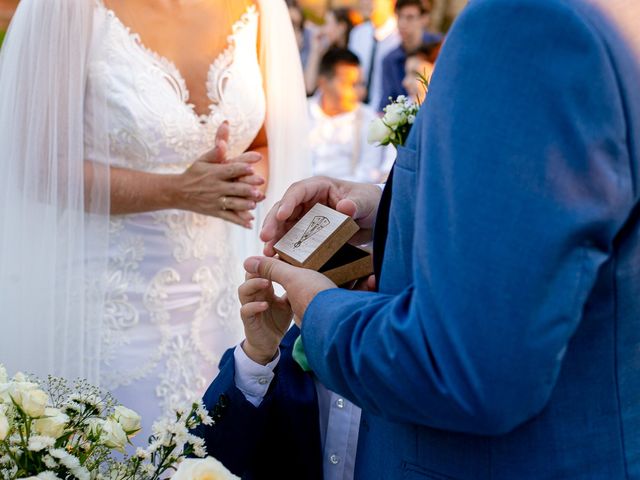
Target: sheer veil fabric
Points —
{"points": [[54, 201], [287, 118], [52, 229]]}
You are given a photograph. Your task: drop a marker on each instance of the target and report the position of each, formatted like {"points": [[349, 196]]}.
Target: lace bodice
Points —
{"points": [[171, 309], [152, 125]]}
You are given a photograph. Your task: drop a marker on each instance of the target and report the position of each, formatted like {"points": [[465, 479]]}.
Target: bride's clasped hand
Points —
{"points": [[214, 185]]}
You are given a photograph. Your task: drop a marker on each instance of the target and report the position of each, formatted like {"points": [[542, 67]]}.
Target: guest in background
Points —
{"points": [[303, 35], [410, 15], [339, 124], [428, 6], [371, 41], [333, 34], [419, 67]]}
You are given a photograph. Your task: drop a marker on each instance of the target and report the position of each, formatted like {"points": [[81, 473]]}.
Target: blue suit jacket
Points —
{"points": [[505, 340], [280, 439]]}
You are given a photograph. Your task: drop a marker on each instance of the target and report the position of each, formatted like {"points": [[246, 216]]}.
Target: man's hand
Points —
{"points": [[266, 318], [358, 200], [301, 284]]}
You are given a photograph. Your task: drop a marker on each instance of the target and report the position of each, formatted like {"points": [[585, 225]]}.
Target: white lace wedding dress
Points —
{"points": [[142, 304], [171, 308]]}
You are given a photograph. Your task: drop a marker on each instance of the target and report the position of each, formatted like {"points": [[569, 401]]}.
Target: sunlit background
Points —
{"points": [[444, 11]]}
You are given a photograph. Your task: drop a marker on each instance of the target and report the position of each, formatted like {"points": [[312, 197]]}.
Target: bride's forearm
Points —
{"points": [[130, 191], [134, 191]]}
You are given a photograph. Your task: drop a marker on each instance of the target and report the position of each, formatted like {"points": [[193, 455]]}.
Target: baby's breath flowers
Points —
{"points": [[63, 431]]}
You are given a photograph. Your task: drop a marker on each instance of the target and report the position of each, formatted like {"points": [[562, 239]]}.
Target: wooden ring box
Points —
{"points": [[318, 241]]}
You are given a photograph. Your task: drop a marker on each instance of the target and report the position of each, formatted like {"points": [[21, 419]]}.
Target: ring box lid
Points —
{"points": [[316, 237]]}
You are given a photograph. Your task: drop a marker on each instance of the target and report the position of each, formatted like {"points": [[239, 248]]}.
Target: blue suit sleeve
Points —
{"points": [[523, 183], [239, 427]]}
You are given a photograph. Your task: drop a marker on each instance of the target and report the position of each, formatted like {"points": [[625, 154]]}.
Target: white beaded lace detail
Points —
{"points": [[171, 308]]}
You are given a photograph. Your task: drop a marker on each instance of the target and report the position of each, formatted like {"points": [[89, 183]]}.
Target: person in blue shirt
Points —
{"points": [[411, 19]]}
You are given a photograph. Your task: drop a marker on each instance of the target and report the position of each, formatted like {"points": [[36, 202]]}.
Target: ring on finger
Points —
{"points": [[224, 202]]}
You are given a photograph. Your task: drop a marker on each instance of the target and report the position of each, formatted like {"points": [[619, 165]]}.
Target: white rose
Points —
{"points": [[32, 401], [128, 419], [4, 393], [3, 374], [52, 424], [113, 435], [94, 426], [378, 132], [202, 469], [394, 115], [12, 388], [4, 424]]}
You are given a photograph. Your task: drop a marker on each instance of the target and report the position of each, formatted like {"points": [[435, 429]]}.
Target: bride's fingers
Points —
{"points": [[239, 204], [254, 180], [231, 171], [218, 154], [243, 190], [234, 217], [246, 157]]}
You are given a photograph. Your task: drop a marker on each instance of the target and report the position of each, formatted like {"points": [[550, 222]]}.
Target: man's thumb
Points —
{"points": [[269, 268]]}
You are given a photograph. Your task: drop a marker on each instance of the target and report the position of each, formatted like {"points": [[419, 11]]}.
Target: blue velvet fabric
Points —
{"points": [[278, 439]]}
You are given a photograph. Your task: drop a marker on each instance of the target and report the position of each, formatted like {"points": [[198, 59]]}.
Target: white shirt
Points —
{"points": [[339, 146], [339, 418], [361, 43]]}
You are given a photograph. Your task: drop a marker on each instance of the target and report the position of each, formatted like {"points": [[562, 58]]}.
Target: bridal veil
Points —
{"points": [[54, 200]]}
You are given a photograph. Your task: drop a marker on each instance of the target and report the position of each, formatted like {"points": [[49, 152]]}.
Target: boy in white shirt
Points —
{"points": [[340, 122]]}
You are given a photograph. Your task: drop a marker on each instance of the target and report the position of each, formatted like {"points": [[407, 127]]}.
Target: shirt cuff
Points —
{"points": [[251, 378]]}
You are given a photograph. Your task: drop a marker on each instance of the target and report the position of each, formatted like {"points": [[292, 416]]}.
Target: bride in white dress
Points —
{"points": [[119, 257]]}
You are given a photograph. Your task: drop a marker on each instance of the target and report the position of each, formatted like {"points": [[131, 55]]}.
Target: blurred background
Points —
{"points": [[358, 56], [442, 15]]}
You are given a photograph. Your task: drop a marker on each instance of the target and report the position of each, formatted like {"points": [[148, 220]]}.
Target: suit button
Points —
{"points": [[263, 381], [334, 459], [340, 403]]}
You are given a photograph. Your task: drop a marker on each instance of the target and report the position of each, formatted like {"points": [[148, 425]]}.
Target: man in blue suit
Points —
{"points": [[504, 339]]}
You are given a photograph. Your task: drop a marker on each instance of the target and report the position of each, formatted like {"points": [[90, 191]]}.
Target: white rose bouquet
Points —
{"points": [[70, 432]]}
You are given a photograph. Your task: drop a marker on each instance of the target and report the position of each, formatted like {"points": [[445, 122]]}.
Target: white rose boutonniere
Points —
{"points": [[393, 128], [399, 116]]}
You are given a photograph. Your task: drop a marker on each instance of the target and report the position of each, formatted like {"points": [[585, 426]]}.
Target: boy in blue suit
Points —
{"points": [[504, 339], [272, 418]]}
